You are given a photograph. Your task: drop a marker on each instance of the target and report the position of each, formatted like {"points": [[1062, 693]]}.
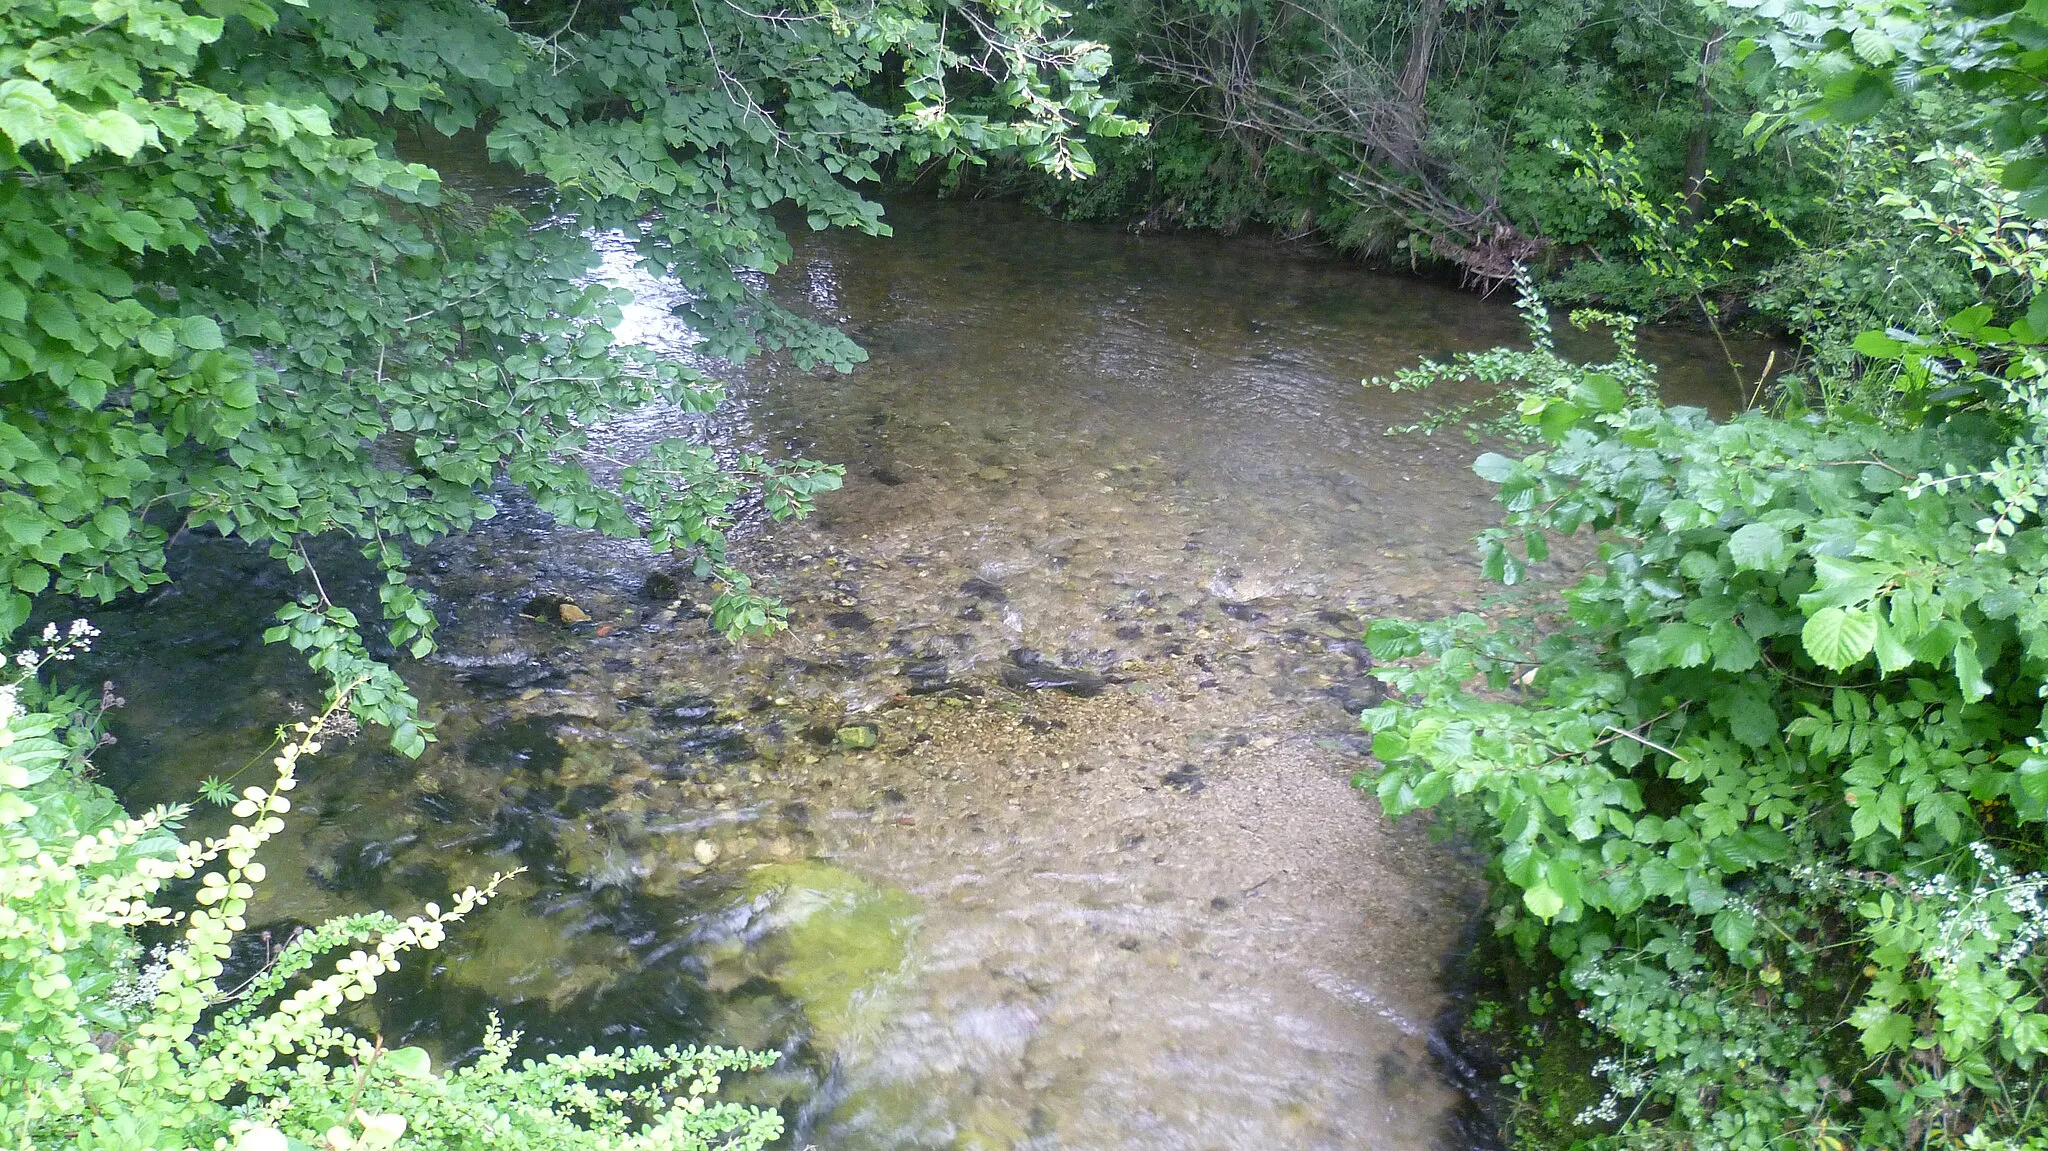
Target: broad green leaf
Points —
{"points": [[1758, 547], [411, 1062], [1837, 637], [1878, 346], [1873, 46], [1559, 417], [199, 333], [1600, 393], [1542, 901], [1970, 670], [1493, 467]]}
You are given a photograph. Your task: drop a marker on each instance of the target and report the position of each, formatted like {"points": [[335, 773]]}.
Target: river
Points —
{"points": [[1035, 830]]}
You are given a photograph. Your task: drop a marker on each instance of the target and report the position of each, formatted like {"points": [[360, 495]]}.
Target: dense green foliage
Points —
{"points": [[1768, 783], [230, 305], [104, 1046], [1764, 787], [1769, 760], [1430, 132]]}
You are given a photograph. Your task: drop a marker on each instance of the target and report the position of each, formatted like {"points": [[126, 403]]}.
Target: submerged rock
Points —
{"points": [[555, 609], [529, 743], [660, 586], [985, 590], [823, 936], [501, 680], [1029, 671], [858, 736], [850, 621], [722, 745], [682, 711], [928, 676]]}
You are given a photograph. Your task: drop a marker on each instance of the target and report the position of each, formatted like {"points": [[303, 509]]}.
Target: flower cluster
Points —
{"points": [[1626, 1079], [59, 646], [2002, 907]]}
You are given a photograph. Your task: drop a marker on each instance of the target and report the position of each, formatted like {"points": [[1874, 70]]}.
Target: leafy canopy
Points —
{"points": [[227, 303]]}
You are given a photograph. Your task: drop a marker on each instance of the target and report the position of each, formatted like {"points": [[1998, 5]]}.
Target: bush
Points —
{"points": [[104, 1046], [1769, 779]]}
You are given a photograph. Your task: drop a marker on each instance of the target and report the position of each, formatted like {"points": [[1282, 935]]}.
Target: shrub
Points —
{"points": [[1769, 778], [104, 1046]]}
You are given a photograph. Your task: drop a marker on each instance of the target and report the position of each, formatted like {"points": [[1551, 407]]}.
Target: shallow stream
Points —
{"points": [[1035, 830]]}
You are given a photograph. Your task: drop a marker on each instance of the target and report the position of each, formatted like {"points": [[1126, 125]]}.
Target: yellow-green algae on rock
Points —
{"points": [[830, 937]]}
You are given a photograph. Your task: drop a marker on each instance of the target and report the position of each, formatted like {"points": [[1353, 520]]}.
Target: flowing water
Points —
{"points": [[1035, 830]]}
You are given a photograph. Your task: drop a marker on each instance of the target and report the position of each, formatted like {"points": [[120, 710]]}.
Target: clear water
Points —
{"points": [[1155, 916]]}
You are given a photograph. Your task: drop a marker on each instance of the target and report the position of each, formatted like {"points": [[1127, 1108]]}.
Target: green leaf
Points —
{"points": [[1857, 96], [117, 131], [1393, 639], [1544, 902], [1600, 393], [1877, 346], [1734, 929], [1684, 644], [411, 1062], [1837, 637], [1873, 46], [158, 342], [1883, 1029], [1559, 417], [1493, 467], [199, 333], [1970, 670], [1758, 547]]}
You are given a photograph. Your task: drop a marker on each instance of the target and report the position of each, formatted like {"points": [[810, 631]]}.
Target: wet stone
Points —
{"points": [[585, 798], [850, 621], [722, 745], [681, 711], [661, 586], [522, 744], [438, 806], [982, 589], [500, 681], [356, 867], [1029, 671], [928, 676], [426, 881], [857, 736], [1186, 778]]}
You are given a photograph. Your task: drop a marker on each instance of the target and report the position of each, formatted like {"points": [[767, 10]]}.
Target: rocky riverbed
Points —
{"points": [[1035, 829]]}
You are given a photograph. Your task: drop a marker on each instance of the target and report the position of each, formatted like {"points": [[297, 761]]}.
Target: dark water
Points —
{"points": [[1035, 830]]}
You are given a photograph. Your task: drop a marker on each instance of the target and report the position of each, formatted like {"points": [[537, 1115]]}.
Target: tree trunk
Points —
{"points": [[1703, 132], [1414, 84]]}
